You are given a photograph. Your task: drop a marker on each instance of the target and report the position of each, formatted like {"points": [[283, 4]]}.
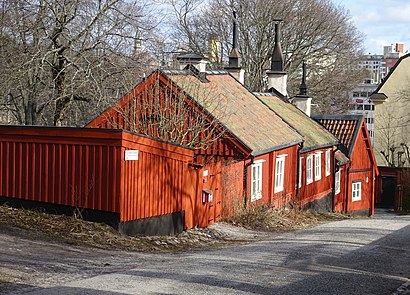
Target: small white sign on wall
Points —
{"points": [[131, 155]]}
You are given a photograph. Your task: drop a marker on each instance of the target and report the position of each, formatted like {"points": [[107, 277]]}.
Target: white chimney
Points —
{"points": [[198, 61], [302, 101], [277, 77], [235, 59]]}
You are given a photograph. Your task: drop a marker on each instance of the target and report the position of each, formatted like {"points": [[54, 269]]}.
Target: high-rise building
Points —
{"points": [[378, 66]]}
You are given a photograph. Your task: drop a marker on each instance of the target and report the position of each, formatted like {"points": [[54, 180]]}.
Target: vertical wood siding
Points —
{"points": [[155, 184], [362, 169], [318, 188], [340, 198], [59, 169], [86, 168]]}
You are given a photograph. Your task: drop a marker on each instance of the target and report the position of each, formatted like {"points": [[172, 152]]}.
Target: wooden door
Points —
{"points": [[212, 187]]}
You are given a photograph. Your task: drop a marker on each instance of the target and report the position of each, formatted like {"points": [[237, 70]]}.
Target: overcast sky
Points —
{"points": [[382, 21]]}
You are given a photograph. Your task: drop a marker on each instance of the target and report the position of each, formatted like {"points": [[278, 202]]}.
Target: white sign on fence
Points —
{"points": [[131, 155]]}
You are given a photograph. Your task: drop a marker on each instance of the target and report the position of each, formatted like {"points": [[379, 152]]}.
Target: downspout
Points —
{"points": [[334, 177], [245, 180], [300, 147], [373, 194], [347, 186]]}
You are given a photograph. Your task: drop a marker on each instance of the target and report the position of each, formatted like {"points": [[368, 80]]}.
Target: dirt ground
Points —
{"points": [[41, 250], [31, 259]]}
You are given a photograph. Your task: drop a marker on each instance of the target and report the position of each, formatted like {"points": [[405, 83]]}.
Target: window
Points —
{"points": [[327, 162], [279, 173], [300, 172], [356, 191], [256, 188], [309, 176], [318, 166], [367, 107], [337, 182]]}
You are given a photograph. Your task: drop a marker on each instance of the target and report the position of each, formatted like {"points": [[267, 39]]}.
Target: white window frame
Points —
{"points": [[337, 182], [256, 180], [300, 172], [328, 162], [356, 191], [309, 169], [279, 173], [318, 166]]}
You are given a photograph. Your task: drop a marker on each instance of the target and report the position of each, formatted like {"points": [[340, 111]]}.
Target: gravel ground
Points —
{"points": [[355, 256]]}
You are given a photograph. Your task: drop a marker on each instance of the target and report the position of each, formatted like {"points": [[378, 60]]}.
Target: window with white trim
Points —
{"points": [[279, 173], [256, 181], [337, 182], [318, 166], [327, 162], [300, 172], [309, 176], [356, 191]]}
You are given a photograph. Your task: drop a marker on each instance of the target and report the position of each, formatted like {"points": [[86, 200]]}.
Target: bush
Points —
{"points": [[261, 217]]}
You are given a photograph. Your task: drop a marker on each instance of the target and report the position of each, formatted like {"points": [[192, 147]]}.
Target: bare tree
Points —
{"points": [[315, 31], [61, 60], [161, 110]]}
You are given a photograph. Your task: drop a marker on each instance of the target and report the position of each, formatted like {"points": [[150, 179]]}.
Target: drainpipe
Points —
{"points": [[300, 147], [334, 176], [373, 193], [347, 185], [245, 180]]}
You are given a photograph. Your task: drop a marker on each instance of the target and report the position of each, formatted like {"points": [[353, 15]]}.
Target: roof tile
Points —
{"points": [[238, 110]]}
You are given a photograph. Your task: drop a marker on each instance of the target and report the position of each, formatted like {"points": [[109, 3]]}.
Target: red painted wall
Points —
{"points": [[340, 198], [86, 168], [269, 196], [318, 188], [232, 186], [362, 169]]}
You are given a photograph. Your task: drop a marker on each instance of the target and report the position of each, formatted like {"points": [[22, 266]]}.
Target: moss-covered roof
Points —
{"points": [[237, 109], [314, 135]]}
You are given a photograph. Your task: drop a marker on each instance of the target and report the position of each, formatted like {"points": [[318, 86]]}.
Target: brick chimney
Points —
{"points": [[235, 59], [303, 101], [277, 77]]}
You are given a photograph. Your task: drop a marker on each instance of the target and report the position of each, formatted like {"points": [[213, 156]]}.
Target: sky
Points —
{"points": [[383, 22]]}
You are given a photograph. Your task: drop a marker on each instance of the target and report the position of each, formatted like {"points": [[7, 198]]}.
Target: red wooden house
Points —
{"points": [[356, 168], [252, 154], [316, 155], [315, 181]]}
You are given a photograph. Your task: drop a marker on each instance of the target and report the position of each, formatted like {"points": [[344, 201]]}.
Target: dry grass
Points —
{"points": [[271, 219], [61, 228], [75, 231]]}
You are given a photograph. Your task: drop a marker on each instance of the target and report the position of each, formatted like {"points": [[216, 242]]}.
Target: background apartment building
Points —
{"points": [[378, 67]]}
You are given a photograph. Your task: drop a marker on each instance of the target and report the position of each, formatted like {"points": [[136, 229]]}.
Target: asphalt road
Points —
{"points": [[356, 256]]}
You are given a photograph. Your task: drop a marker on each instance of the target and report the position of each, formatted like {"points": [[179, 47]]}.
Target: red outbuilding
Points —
{"points": [[356, 171], [135, 183]]}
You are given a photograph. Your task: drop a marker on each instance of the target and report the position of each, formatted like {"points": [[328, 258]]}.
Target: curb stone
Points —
{"points": [[403, 289]]}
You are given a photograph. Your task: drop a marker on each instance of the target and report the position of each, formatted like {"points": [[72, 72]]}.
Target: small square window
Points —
{"points": [[356, 191]]}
